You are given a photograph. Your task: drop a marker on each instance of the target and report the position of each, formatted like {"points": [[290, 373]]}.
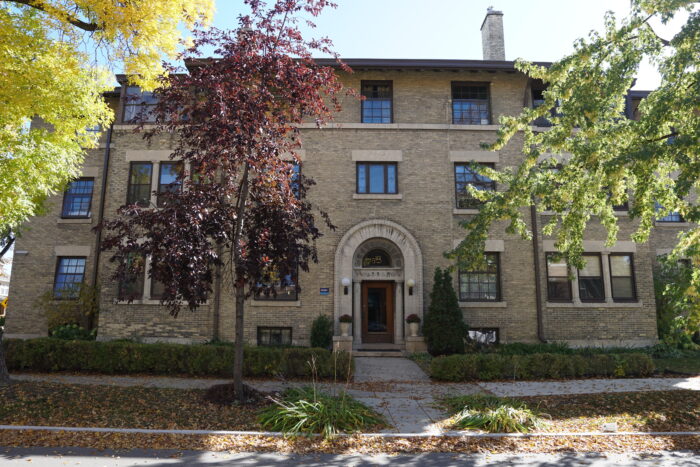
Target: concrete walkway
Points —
{"points": [[396, 388]]}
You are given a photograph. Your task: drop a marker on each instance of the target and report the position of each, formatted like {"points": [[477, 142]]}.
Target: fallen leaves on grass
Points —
{"points": [[30, 403], [632, 411]]}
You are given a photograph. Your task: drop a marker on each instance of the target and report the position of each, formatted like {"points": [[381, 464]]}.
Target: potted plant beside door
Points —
{"points": [[413, 321], [345, 321]]}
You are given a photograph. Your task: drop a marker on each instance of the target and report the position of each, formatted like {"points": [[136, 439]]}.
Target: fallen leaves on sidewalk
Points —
{"points": [[365, 445]]}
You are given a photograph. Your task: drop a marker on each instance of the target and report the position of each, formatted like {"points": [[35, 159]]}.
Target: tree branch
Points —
{"points": [[670, 135], [41, 6]]}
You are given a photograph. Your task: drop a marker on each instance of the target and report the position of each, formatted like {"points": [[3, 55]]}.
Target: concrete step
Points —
{"points": [[377, 353]]}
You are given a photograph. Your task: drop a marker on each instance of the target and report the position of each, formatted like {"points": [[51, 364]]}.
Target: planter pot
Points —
{"points": [[345, 329], [413, 329]]}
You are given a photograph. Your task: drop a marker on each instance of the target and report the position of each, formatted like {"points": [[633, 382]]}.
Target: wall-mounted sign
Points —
{"points": [[325, 291]]}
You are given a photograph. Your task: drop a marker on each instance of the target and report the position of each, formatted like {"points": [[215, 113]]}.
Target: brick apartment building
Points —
{"points": [[390, 172]]}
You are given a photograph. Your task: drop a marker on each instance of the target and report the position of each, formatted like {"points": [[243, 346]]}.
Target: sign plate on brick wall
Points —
{"points": [[325, 291]]}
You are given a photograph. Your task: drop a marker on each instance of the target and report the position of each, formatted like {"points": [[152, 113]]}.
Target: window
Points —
{"points": [[622, 277], [465, 175], [157, 289], [139, 105], [590, 279], [133, 289], [376, 177], [670, 217], [485, 336], [169, 180], [377, 102], [296, 180], [139, 190], [77, 199], [481, 285], [70, 272], [558, 283], [470, 103], [278, 287], [625, 206], [274, 336], [376, 259], [537, 95]]}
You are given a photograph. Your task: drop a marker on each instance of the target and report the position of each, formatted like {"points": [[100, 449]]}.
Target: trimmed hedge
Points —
{"points": [[118, 357], [486, 367]]}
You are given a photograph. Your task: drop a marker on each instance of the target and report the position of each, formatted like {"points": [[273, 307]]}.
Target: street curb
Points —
{"points": [[449, 434]]}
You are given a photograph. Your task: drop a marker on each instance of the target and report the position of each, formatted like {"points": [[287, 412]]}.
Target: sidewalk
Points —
{"points": [[401, 392]]}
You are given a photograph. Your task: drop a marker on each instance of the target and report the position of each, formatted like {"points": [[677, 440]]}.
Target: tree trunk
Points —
{"points": [[238, 349], [4, 374], [239, 288]]}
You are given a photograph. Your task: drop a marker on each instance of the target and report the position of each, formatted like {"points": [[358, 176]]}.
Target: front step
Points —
{"points": [[373, 352]]}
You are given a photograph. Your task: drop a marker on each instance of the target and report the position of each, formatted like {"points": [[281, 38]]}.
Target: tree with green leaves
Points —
{"points": [[444, 328], [49, 73], [600, 157]]}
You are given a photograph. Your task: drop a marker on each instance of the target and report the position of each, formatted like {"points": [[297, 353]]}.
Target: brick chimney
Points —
{"points": [[492, 35]]}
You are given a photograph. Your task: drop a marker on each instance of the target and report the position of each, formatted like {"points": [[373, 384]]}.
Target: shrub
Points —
{"points": [[443, 327], [72, 332], [307, 411], [491, 413], [123, 357], [486, 367], [82, 311], [322, 332]]}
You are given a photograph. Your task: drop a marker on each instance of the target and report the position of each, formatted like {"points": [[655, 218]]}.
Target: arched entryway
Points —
{"points": [[382, 264]]}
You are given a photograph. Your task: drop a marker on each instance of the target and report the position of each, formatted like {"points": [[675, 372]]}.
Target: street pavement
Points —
{"points": [[83, 457]]}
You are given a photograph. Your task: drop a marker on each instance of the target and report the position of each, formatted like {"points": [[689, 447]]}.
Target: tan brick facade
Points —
{"points": [[425, 145]]}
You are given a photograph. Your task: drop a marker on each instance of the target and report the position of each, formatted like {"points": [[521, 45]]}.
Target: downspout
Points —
{"points": [[538, 278], [101, 211]]}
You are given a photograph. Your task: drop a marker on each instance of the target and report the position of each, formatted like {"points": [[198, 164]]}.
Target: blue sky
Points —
{"points": [[538, 30]]}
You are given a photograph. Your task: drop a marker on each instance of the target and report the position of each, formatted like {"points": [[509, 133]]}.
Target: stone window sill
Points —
{"points": [[458, 212], [594, 304], [147, 301], [377, 196], [275, 303], [74, 220], [483, 304], [672, 225]]}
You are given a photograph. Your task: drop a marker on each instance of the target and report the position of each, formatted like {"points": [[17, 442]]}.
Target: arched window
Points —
{"points": [[376, 259]]}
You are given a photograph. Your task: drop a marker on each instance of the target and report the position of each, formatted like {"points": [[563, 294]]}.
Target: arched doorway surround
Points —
{"points": [[404, 265]]}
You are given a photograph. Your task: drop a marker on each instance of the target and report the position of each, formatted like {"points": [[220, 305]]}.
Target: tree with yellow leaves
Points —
{"points": [[49, 74]]}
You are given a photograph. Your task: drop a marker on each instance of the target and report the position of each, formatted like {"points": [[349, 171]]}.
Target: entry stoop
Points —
{"points": [[377, 353]]}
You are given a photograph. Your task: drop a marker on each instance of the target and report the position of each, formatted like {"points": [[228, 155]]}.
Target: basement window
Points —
{"points": [[274, 336]]}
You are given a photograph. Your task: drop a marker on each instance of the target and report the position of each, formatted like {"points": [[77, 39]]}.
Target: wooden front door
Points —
{"points": [[378, 312]]}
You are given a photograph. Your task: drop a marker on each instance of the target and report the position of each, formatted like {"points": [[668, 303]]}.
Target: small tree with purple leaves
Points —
{"points": [[238, 207]]}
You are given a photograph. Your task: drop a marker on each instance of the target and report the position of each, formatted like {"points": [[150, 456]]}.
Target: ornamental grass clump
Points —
{"points": [[306, 411], [492, 414]]}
